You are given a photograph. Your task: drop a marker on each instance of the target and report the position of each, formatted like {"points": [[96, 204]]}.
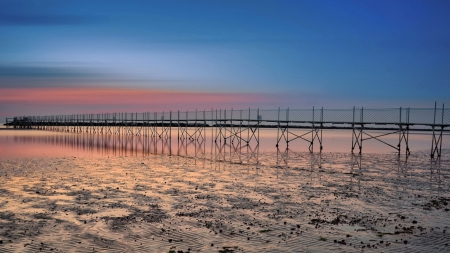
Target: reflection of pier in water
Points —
{"points": [[107, 145], [435, 176], [132, 145], [221, 155], [361, 168]]}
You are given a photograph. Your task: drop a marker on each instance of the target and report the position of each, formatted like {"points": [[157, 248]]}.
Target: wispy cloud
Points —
{"points": [[45, 76], [39, 101], [45, 20], [110, 96], [41, 71]]}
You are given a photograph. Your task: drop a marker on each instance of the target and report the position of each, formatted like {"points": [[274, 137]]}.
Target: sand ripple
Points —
{"points": [[298, 202]]}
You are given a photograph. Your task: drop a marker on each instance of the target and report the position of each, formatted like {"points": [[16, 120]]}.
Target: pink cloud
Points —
{"points": [[34, 101]]}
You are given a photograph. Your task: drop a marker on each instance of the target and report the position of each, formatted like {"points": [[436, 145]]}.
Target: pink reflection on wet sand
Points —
{"points": [[27, 143]]}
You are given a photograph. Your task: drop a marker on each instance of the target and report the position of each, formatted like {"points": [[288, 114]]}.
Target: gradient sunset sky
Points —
{"points": [[64, 57]]}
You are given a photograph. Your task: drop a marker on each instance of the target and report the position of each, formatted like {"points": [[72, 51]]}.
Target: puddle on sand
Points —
{"points": [[350, 228], [306, 203]]}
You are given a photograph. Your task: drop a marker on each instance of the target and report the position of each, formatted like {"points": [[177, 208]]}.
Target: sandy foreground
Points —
{"points": [[302, 202]]}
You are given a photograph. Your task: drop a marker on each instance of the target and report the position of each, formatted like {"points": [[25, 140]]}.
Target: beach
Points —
{"points": [[286, 202]]}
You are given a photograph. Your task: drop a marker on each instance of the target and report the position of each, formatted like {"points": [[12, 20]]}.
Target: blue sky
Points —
{"points": [[330, 53]]}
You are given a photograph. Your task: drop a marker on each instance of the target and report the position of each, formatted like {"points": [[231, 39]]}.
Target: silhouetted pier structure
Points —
{"points": [[241, 128]]}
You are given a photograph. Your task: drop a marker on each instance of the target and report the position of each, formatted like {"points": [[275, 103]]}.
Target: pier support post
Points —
{"points": [[178, 125], [403, 132], [403, 136], [283, 130], [357, 133], [218, 125], [278, 129], [436, 141], [316, 132]]}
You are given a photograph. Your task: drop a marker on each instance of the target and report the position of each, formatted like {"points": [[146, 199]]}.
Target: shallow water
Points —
{"points": [[124, 199], [37, 143]]}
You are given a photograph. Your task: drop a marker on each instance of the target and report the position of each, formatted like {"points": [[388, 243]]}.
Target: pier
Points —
{"points": [[241, 128]]}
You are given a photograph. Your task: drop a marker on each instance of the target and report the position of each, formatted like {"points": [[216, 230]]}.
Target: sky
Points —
{"points": [[65, 57]]}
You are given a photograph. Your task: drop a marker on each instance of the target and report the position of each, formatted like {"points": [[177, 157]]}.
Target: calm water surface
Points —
{"points": [[34, 143]]}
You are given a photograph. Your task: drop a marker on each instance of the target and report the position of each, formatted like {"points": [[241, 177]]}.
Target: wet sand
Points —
{"points": [[298, 202]]}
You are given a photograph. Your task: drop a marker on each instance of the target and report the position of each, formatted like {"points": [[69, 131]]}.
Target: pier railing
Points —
{"points": [[411, 116]]}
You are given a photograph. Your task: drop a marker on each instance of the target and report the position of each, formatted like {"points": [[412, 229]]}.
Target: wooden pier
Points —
{"points": [[242, 127]]}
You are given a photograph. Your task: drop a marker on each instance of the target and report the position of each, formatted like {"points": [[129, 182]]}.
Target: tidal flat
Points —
{"points": [[284, 202]]}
